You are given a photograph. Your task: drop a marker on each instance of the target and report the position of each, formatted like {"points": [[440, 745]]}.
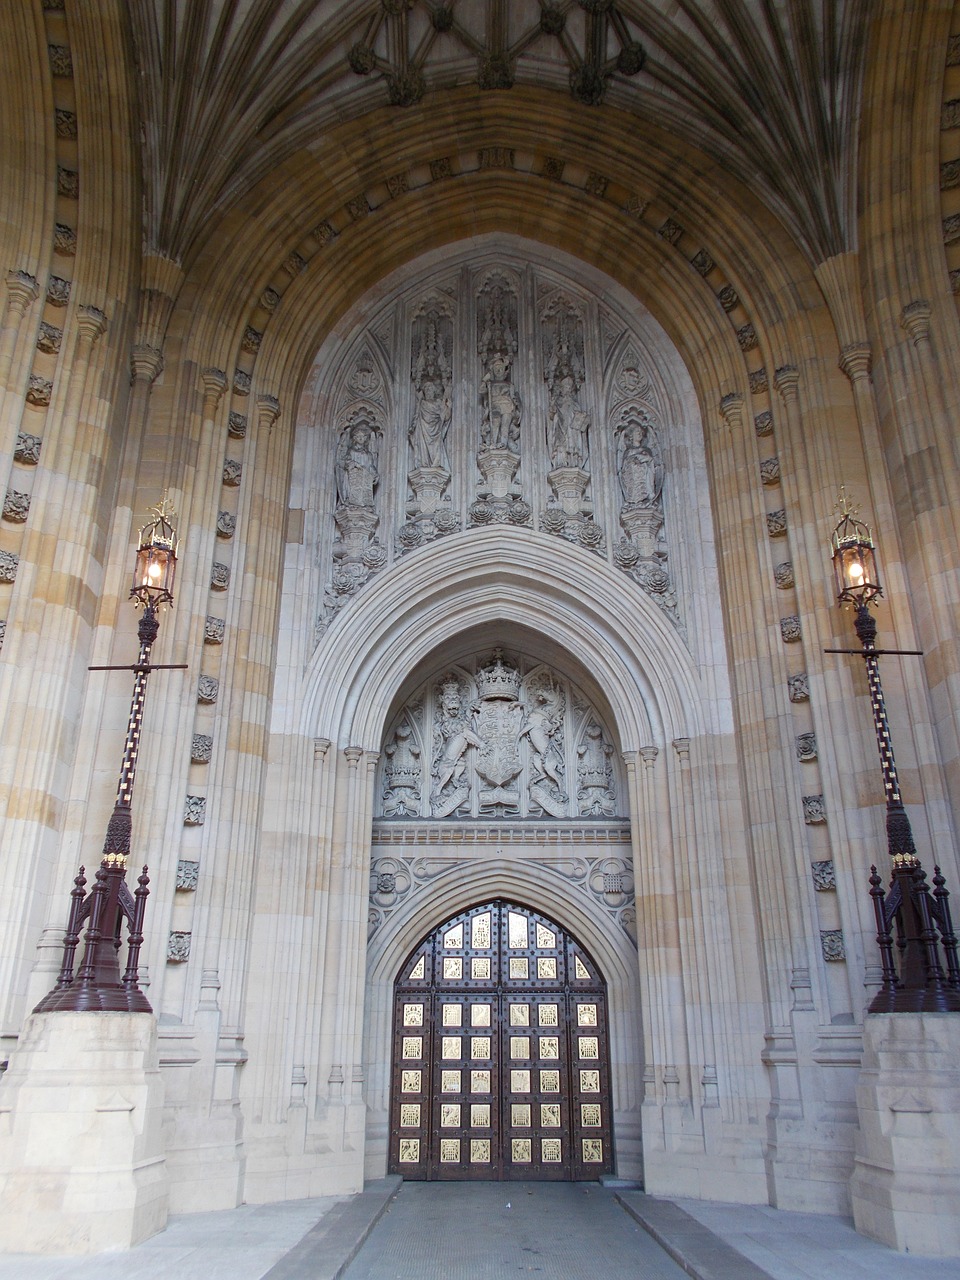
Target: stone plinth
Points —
{"points": [[82, 1167], [905, 1187]]}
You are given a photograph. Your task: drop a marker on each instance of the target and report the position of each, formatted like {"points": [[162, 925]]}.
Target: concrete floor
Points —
{"points": [[465, 1231]]}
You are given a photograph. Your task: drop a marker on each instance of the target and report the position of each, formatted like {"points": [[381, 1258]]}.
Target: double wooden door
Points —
{"points": [[500, 1062]]}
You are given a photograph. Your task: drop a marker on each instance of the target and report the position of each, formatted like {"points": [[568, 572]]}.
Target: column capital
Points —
{"points": [[731, 407], [146, 362], [353, 755], [22, 289], [787, 379], [269, 410], [91, 322], [915, 318], [320, 748], [855, 360], [649, 756], [682, 747], [214, 383]]}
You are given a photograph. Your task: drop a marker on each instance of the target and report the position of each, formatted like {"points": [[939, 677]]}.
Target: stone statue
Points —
{"points": [[638, 465], [452, 736], [502, 406], [567, 426], [356, 466], [596, 795], [431, 421], [541, 722], [401, 791]]}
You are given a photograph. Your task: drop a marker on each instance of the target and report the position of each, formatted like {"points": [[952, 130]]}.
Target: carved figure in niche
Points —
{"points": [[401, 791], [431, 421], [452, 736], [638, 462], [543, 728], [596, 795], [356, 465], [501, 405], [568, 425]]}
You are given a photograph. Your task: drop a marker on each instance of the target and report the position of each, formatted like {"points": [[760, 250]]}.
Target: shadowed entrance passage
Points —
{"points": [[487, 1230]]}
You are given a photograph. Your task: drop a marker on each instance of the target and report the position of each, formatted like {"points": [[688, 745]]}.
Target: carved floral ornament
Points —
{"points": [[495, 395], [498, 737]]}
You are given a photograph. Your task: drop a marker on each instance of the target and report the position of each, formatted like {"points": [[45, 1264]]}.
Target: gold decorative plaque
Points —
{"points": [[520, 1115], [549, 1081], [519, 1046], [581, 970], [550, 1150], [592, 1150], [590, 1115], [450, 1115], [519, 1015], [413, 1046], [453, 938], [519, 1081], [549, 1016], [546, 938], [450, 1046], [450, 1081], [449, 1150], [519, 967], [547, 967], [480, 1048], [480, 1015], [521, 1150], [413, 1015], [480, 931], [480, 968], [410, 1082], [586, 1015], [589, 1047], [419, 970], [549, 1115], [589, 1081], [452, 1013], [452, 967], [480, 1115], [409, 1150], [549, 1047], [479, 1081], [410, 1115], [479, 1150], [517, 933]]}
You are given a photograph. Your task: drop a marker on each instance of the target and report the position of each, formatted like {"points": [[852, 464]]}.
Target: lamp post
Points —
{"points": [[922, 920], [97, 983]]}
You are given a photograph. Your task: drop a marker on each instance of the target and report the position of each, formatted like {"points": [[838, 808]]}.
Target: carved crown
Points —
{"points": [[497, 680]]}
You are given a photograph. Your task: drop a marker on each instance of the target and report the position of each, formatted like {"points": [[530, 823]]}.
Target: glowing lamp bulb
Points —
{"points": [[856, 572]]}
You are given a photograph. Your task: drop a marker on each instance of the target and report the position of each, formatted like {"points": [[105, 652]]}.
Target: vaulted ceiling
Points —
{"points": [[768, 90]]}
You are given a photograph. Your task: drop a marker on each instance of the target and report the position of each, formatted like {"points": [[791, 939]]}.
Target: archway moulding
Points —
{"points": [[494, 575]]}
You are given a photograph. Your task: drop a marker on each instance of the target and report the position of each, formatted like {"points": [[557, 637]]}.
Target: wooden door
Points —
{"points": [[500, 1066]]}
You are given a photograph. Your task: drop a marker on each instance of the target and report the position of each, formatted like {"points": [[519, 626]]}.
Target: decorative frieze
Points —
{"points": [[790, 631], [670, 231], [702, 263], [178, 946], [61, 63], [58, 291], [813, 810], [831, 944], [201, 748], [777, 523], [208, 689], [324, 232], [728, 297], [226, 524], [16, 506], [213, 630], [824, 875], [806, 747], [194, 811], [65, 240], [39, 391], [783, 575], [799, 687], [9, 563], [232, 472], [219, 576], [237, 424], [68, 183], [188, 874], [49, 338], [770, 471]]}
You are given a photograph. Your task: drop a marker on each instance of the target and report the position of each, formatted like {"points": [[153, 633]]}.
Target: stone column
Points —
{"points": [[22, 292]]}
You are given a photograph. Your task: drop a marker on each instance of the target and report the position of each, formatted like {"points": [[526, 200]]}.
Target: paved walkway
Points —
{"points": [[466, 1231]]}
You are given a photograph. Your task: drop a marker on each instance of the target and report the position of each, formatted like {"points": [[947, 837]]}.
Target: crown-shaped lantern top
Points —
{"points": [[854, 557], [156, 558], [497, 680]]}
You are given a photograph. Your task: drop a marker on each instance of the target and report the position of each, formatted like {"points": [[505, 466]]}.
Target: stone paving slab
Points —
{"points": [[328, 1248], [492, 1230], [700, 1252]]}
